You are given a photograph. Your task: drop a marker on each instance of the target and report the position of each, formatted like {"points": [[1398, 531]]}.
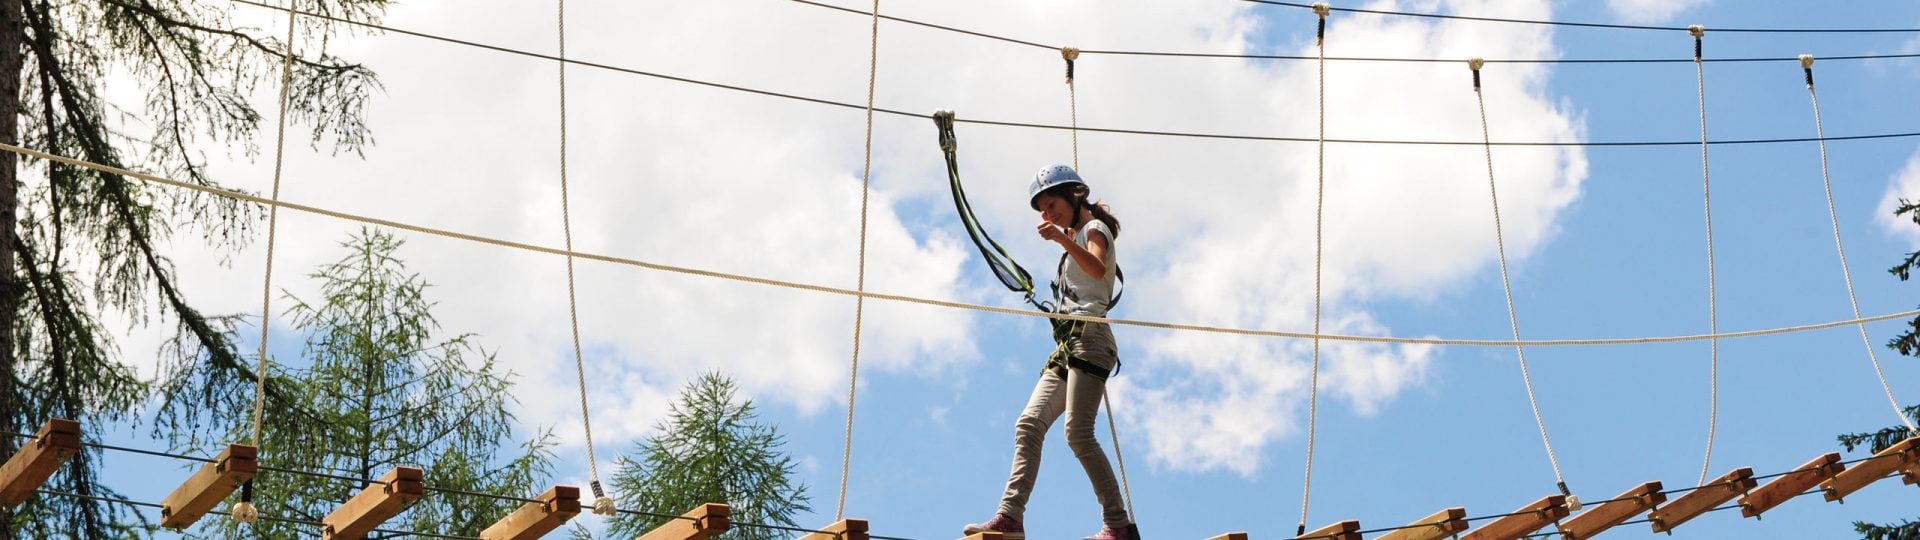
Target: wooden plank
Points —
{"points": [[988, 535], [1230, 536], [374, 505], [51, 447], [1443, 524], [536, 519], [211, 484], [1883, 463], [702, 523], [1786, 487], [1524, 521], [846, 529], [1622, 508], [1699, 501], [1345, 530]]}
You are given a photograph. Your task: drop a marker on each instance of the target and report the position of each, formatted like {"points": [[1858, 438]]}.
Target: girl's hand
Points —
{"points": [[1051, 233]]}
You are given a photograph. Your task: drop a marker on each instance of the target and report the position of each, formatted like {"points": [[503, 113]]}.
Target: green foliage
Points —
{"points": [[709, 449], [384, 393], [1905, 530], [81, 245], [1879, 440]]}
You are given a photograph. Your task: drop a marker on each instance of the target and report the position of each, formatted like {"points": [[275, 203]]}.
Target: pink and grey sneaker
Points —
{"points": [[1009, 528], [1110, 533]]}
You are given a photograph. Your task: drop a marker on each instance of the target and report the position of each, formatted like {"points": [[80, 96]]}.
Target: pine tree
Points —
{"points": [[387, 392], [710, 448]]}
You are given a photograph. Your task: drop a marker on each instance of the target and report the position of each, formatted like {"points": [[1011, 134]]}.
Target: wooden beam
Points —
{"points": [[1444, 524], [1883, 463], [846, 529], [374, 505], [1231, 536], [1524, 521], [1345, 530], [1791, 485], [536, 519], [1622, 508], [56, 442], [989, 535], [1699, 501], [702, 523], [206, 488]]}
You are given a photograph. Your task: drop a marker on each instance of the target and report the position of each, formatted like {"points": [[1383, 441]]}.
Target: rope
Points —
{"points": [[1073, 103], [1506, 284], [1181, 54], [1713, 302], [1070, 54], [1320, 9], [906, 299], [1806, 63], [860, 302], [602, 504], [1123, 131], [273, 224], [1598, 25]]}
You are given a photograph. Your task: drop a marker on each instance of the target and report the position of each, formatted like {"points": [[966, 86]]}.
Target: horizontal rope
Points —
{"points": [[1031, 125], [1598, 25], [623, 261], [1177, 54]]}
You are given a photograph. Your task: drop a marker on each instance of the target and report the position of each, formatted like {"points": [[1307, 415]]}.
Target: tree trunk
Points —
{"points": [[12, 42]]}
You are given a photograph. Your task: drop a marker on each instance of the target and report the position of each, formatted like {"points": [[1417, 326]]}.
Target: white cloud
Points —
{"points": [[1903, 185], [1650, 11], [1217, 232]]}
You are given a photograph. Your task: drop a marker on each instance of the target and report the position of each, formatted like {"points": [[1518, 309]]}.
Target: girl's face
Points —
{"points": [[1056, 210]]}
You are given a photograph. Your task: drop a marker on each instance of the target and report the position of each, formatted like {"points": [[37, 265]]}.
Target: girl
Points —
{"points": [[1076, 373]]}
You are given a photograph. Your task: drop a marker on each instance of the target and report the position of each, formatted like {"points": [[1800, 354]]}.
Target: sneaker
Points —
{"points": [[1009, 528], [1109, 533]]}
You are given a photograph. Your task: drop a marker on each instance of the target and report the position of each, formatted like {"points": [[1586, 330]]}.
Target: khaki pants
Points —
{"points": [[1077, 396]]}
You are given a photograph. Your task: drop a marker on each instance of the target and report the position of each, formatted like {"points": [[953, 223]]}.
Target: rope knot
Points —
{"points": [[244, 512], [1475, 64]]}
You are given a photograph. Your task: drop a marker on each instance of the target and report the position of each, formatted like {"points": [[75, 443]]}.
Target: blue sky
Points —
{"points": [[1603, 242]]}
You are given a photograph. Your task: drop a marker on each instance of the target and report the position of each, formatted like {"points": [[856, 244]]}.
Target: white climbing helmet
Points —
{"points": [[1049, 178]]}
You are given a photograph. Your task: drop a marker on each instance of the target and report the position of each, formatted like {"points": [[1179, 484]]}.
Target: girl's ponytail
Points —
{"points": [[1100, 210]]}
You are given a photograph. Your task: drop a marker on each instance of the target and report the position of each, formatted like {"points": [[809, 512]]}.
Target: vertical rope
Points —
{"points": [[1073, 103], [1806, 63], [602, 504], [860, 302], [1070, 54], [1713, 306], [273, 226], [1513, 318], [1114, 431], [244, 511], [1320, 9]]}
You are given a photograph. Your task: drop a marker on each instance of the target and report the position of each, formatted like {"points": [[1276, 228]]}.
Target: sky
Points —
{"points": [[1600, 242]]}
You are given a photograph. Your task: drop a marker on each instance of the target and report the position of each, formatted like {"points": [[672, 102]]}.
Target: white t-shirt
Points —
{"points": [[1080, 294]]}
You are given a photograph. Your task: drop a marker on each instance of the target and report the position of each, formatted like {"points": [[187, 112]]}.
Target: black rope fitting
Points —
{"points": [[1698, 32], [1474, 64], [1806, 64], [1564, 490], [1300, 531], [1320, 34], [597, 492], [246, 491], [1069, 54]]}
